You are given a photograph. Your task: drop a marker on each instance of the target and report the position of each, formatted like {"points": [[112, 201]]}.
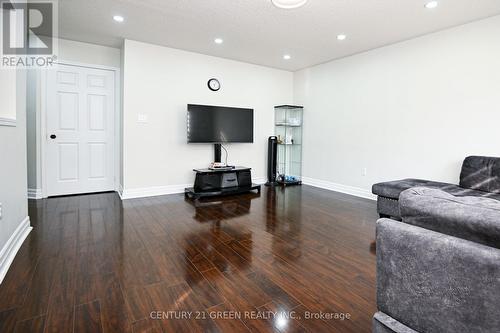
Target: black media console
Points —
{"points": [[211, 183]]}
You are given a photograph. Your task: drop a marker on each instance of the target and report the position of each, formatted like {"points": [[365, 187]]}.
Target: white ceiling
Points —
{"points": [[255, 31]]}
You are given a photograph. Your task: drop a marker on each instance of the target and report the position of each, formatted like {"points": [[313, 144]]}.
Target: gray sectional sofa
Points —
{"points": [[480, 177], [438, 257], [439, 269]]}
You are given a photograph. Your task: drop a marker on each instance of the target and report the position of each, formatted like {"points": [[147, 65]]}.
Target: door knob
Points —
{"points": [[53, 136]]}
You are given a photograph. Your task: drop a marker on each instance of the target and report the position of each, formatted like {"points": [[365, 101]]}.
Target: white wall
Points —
{"points": [[68, 51], [32, 107], [413, 109], [89, 53], [7, 90], [160, 82], [13, 195]]}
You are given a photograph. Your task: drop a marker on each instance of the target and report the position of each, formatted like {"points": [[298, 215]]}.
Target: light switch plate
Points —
{"points": [[142, 118], [1, 211]]}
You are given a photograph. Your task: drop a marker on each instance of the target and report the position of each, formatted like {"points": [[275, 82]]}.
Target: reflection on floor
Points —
{"points": [[280, 261]]}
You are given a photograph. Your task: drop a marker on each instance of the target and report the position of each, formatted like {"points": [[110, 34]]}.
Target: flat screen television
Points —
{"points": [[218, 124]]}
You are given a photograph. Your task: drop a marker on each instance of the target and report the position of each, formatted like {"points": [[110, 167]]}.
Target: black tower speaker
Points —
{"points": [[272, 155], [217, 152]]}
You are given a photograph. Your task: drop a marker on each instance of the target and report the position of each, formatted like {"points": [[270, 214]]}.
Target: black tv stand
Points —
{"points": [[218, 182]]}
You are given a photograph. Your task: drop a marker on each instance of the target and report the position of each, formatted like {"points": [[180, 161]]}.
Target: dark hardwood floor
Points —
{"points": [[248, 263]]}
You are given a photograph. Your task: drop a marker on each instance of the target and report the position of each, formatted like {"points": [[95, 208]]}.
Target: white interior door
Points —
{"points": [[80, 130]]}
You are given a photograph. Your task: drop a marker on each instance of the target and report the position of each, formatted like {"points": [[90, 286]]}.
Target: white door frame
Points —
{"points": [[43, 121]]}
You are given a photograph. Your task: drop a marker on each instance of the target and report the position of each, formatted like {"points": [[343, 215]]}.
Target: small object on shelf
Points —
{"points": [[288, 130], [219, 166], [288, 180]]}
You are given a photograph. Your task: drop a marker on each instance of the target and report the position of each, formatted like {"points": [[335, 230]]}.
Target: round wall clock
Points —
{"points": [[213, 84]]}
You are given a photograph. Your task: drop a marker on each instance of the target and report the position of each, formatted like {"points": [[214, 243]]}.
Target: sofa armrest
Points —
{"points": [[434, 282], [472, 218]]}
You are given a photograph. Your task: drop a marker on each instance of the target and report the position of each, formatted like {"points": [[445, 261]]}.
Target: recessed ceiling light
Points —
{"points": [[341, 37], [218, 40], [287, 57], [289, 4], [431, 4], [118, 18]]}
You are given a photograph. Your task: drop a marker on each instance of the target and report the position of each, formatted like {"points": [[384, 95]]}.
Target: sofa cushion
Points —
{"points": [[481, 173], [433, 282], [474, 218], [458, 191], [394, 188]]}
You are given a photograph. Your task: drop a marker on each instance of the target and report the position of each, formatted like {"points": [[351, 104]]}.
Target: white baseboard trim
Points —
{"points": [[346, 189], [259, 180], [9, 251], [152, 191], [120, 191], [35, 193]]}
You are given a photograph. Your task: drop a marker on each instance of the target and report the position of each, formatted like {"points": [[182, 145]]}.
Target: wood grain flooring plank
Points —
{"points": [[33, 325], [226, 320], [8, 320], [60, 317], [147, 325], [114, 312], [180, 308], [88, 318], [37, 299]]}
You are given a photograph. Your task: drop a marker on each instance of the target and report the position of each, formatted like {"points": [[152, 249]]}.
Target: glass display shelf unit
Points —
{"points": [[288, 129]]}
